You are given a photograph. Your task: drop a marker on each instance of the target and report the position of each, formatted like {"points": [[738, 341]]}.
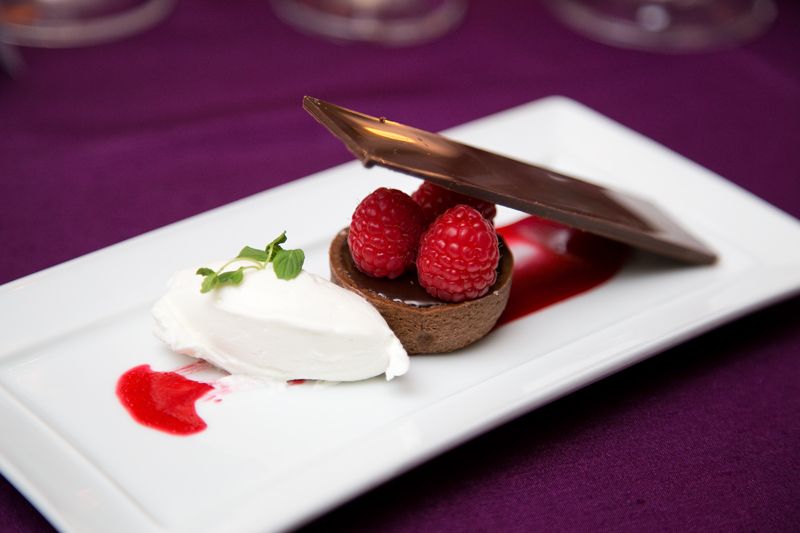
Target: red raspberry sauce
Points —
{"points": [[553, 262], [162, 400]]}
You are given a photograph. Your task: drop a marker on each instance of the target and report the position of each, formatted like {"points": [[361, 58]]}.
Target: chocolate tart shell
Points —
{"points": [[437, 328]]}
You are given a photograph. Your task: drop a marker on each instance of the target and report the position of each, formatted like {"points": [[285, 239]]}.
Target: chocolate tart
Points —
{"points": [[423, 323]]}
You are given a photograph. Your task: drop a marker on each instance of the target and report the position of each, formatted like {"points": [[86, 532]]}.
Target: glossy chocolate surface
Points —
{"points": [[505, 181], [404, 289]]}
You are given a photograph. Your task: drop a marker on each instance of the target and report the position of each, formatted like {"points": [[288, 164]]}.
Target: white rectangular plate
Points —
{"points": [[69, 332]]}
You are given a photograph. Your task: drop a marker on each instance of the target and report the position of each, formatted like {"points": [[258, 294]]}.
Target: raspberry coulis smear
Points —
{"points": [[553, 262], [162, 400]]}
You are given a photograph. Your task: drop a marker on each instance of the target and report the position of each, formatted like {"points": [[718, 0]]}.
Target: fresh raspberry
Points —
{"points": [[458, 255], [435, 200], [384, 233]]}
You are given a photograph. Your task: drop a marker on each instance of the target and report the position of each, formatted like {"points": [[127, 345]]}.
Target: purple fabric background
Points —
{"points": [[104, 143]]}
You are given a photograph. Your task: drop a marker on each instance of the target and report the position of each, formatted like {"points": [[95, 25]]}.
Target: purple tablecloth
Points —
{"points": [[104, 143]]}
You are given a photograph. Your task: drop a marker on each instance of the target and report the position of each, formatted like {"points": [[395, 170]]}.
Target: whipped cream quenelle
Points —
{"points": [[265, 327]]}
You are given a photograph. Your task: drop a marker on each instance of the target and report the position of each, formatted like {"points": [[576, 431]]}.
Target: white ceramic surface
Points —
{"points": [[69, 332]]}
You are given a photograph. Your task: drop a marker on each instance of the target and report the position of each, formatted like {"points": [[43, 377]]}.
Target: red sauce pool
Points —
{"points": [[551, 263], [162, 400]]}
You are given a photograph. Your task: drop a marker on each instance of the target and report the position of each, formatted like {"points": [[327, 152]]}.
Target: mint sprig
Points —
{"points": [[287, 264]]}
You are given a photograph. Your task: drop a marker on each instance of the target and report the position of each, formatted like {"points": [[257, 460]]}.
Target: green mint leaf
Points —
{"points": [[275, 246], [209, 282], [288, 263], [252, 253], [232, 278], [273, 249], [280, 239]]}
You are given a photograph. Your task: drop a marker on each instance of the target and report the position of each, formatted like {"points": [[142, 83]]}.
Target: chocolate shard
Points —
{"points": [[537, 190]]}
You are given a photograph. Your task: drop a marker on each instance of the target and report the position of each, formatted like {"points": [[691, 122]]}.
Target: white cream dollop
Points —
{"points": [[303, 328]]}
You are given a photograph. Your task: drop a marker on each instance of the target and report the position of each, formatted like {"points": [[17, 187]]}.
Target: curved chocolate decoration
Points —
{"points": [[537, 190]]}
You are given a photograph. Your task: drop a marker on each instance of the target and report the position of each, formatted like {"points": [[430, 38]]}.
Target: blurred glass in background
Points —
{"points": [[389, 22], [667, 25], [65, 23]]}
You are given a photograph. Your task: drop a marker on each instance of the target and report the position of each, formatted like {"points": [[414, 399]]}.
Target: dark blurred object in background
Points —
{"points": [[667, 25], [66, 23], [390, 22]]}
